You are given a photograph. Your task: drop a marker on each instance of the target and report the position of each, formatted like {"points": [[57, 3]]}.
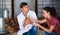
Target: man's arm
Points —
{"points": [[27, 21], [20, 22]]}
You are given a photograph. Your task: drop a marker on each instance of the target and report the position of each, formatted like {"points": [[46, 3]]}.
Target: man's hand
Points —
{"points": [[27, 21]]}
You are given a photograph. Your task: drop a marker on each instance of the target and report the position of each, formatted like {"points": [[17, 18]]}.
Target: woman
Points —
{"points": [[49, 13]]}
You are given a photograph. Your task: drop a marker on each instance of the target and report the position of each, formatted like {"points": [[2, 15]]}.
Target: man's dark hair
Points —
{"points": [[23, 4]]}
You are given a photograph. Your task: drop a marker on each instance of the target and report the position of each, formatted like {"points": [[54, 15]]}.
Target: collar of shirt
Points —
{"points": [[25, 15]]}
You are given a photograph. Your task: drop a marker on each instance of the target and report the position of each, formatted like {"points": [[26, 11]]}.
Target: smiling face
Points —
{"points": [[25, 8], [45, 14]]}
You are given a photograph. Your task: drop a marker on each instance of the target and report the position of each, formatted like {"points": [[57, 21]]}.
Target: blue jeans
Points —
{"points": [[46, 33], [32, 31]]}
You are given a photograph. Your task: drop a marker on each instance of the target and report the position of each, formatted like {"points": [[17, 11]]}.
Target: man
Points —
{"points": [[24, 19]]}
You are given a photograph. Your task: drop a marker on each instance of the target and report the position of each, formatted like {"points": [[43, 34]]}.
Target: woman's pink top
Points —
{"points": [[53, 21]]}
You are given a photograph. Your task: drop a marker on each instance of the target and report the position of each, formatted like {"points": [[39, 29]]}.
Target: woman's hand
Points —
{"points": [[38, 25]]}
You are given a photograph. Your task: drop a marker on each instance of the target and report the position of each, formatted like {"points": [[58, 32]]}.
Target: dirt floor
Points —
{"points": [[39, 33]]}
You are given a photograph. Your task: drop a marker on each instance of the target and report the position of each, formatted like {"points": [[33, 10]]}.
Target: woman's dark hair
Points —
{"points": [[52, 11], [23, 4]]}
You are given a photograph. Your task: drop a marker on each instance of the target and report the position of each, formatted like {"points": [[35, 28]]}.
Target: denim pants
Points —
{"points": [[46, 33], [32, 31]]}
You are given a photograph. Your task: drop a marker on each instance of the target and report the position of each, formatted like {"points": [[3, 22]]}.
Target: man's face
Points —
{"points": [[25, 8]]}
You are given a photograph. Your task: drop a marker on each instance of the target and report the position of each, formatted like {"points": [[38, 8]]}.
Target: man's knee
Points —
{"points": [[34, 28]]}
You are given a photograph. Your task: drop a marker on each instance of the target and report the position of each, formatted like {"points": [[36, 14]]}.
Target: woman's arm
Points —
{"points": [[40, 21], [45, 29], [48, 30]]}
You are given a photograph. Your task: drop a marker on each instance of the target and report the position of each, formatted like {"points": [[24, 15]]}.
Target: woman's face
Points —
{"points": [[45, 14]]}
